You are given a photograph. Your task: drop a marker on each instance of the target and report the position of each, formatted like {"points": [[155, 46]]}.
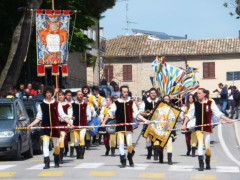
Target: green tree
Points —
{"points": [[235, 4], [17, 40]]}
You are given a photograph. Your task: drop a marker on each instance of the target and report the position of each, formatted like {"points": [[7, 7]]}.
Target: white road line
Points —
{"points": [[237, 133], [40, 166], [180, 168], [224, 146], [89, 165], [2, 167], [227, 169], [137, 167]]}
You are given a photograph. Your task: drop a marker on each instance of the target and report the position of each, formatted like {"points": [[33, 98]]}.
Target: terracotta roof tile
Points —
{"points": [[140, 45]]}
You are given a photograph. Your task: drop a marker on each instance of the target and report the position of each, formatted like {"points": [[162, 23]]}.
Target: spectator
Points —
{"points": [[116, 91], [236, 98], [39, 97], [27, 96], [231, 101], [104, 82], [41, 87], [223, 98], [16, 93], [159, 94], [10, 93], [32, 91], [113, 83], [145, 96]]}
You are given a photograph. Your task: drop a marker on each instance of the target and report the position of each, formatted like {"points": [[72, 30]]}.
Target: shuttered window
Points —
{"points": [[209, 70], [108, 72], [127, 72]]}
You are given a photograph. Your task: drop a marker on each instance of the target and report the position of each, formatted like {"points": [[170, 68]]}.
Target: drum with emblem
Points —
{"points": [[94, 130], [111, 129]]}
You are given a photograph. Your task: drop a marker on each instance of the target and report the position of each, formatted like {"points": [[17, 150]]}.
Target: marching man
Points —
{"points": [[48, 112], [202, 110], [124, 110]]}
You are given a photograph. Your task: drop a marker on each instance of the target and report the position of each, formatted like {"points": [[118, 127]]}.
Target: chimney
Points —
{"points": [[185, 36]]}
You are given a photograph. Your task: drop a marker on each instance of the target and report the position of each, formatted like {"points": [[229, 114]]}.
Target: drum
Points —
{"points": [[94, 130], [111, 129], [135, 126]]}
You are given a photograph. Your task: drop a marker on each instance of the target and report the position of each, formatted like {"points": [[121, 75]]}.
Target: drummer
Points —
{"points": [[125, 110], [107, 136], [96, 101]]}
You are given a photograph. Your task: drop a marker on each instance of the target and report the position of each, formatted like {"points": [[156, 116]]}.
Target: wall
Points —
{"points": [[222, 65]]}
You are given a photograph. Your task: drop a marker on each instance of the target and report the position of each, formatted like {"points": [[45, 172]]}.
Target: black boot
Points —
{"points": [[87, 144], [169, 158], [71, 151], [123, 161], [46, 162], [149, 155], [188, 150], [155, 153], [112, 151], [78, 151], [193, 151], [61, 155], [81, 153], [208, 162], [65, 150], [201, 164], [160, 157], [107, 150], [56, 160], [130, 156]]}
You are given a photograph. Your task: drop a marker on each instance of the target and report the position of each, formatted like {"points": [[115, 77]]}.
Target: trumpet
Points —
{"points": [[148, 112]]}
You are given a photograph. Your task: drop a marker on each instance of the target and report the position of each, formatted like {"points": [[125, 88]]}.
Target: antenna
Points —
{"points": [[127, 21]]}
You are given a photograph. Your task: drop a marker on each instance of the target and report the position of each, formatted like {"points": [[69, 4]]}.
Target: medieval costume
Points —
{"points": [[124, 111], [48, 113], [63, 132], [147, 106], [203, 113]]}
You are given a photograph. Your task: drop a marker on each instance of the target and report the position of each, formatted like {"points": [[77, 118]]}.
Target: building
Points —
{"points": [[128, 59]]}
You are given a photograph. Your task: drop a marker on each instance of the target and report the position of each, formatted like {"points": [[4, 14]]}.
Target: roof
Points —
{"points": [[145, 45], [160, 35]]}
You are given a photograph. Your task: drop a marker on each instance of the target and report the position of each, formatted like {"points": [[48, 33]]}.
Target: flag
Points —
{"points": [[41, 70], [55, 70]]}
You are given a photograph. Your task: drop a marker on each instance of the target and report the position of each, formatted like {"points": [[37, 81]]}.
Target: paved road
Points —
{"points": [[225, 163]]}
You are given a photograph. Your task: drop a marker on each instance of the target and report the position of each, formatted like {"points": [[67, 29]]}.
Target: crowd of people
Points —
{"points": [[60, 108]]}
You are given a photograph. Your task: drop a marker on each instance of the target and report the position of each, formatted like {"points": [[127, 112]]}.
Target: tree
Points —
{"points": [[18, 30], [233, 4]]}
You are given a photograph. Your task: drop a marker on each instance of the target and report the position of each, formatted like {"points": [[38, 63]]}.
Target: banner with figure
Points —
{"points": [[52, 39], [165, 117]]}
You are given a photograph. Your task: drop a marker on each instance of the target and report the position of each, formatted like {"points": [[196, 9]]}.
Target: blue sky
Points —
{"points": [[196, 18]]}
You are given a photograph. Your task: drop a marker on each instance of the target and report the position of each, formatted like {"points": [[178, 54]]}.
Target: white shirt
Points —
{"points": [[69, 112], [216, 112], [60, 110], [231, 96], [113, 108], [142, 106], [116, 93], [95, 100]]}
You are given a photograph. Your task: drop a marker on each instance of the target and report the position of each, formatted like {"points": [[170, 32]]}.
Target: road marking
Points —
{"points": [[180, 168], [203, 177], [236, 132], [89, 165], [220, 136], [51, 173], [227, 169], [37, 160], [212, 161], [39, 166], [137, 167], [102, 173], [2, 167], [152, 175], [7, 174]]}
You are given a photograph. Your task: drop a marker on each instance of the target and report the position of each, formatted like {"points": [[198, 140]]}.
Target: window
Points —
{"points": [[209, 70], [127, 72], [108, 72], [231, 76]]}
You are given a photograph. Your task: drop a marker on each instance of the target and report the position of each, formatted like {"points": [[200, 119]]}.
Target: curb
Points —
{"points": [[237, 133]]}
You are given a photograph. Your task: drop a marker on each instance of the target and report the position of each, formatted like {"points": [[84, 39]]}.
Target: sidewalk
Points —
{"points": [[237, 131]]}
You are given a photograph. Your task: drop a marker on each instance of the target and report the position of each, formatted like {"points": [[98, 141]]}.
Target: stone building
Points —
{"points": [[127, 60]]}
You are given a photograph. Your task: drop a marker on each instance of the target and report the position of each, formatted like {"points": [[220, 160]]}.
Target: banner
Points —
{"points": [[166, 116], [52, 37]]}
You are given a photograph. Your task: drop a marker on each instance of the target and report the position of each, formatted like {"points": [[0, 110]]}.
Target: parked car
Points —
{"points": [[31, 107], [14, 142]]}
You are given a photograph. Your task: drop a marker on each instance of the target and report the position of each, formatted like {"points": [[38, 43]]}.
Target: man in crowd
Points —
{"points": [[32, 91], [223, 98]]}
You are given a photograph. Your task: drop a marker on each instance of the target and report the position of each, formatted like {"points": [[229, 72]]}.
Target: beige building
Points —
{"points": [[128, 59]]}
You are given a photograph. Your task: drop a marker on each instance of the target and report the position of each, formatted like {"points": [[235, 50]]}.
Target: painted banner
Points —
{"points": [[52, 40], [165, 117]]}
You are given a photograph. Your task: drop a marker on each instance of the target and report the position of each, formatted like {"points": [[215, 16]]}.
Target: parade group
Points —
{"points": [[121, 108]]}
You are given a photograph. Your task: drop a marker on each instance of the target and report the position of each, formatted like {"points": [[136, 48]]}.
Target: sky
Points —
{"points": [[195, 18]]}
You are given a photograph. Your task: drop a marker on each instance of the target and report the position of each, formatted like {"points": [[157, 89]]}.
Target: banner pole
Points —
{"points": [[52, 4]]}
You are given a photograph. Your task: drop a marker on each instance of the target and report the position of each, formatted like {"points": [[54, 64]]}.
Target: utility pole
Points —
{"points": [[96, 70]]}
